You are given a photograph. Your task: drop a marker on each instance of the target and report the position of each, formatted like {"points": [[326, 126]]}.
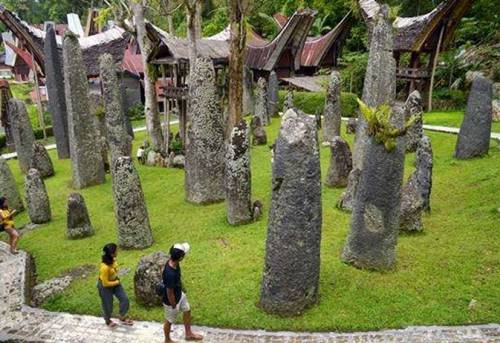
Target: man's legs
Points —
{"points": [[166, 330], [13, 237]]}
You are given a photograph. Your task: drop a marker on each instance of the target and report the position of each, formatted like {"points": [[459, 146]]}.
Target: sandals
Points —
{"points": [[14, 252], [194, 337], [111, 324], [126, 321]]}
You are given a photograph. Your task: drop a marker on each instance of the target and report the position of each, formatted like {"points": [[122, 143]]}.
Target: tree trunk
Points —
{"points": [[198, 20], [191, 34], [170, 21], [150, 107]]}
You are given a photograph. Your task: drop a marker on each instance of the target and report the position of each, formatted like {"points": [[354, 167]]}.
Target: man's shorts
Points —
{"points": [[182, 306]]}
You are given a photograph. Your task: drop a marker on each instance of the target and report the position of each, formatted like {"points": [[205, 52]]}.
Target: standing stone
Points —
{"points": [[248, 97], [54, 81], [331, 113], [119, 141], [291, 273], [86, 160], [474, 136], [205, 149], [40, 160], [8, 187], [288, 103], [22, 133], [37, 199], [495, 104], [350, 128], [423, 165], [238, 176], [78, 221], [273, 94], [317, 117], [134, 231], [412, 206], [346, 200], [340, 163], [261, 109], [147, 275], [259, 136], [413, 107]]}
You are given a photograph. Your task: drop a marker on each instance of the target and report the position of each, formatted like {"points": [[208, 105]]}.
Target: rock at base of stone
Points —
{"points": [[346, 200], [412, 206], [8, 187], [41, 161], [340, 163], [78, 220], [294, 229], [178, 161], [475, 131], [155, 159], [134, 231], [37, 199], [351, 125], [147, 275]]}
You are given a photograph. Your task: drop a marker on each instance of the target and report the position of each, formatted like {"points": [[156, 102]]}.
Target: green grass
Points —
{"points": [[455, 259], [451, 119]]}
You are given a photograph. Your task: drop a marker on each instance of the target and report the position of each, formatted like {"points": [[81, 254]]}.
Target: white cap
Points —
{"points": [[182, 246]]}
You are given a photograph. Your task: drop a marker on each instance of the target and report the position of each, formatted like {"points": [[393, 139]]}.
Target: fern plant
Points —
{"points": [[379, 124]]}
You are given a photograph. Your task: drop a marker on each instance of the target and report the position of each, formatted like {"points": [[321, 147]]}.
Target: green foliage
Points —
{"points": [[217, 22], [380, 126], [352, 74], [310, 102], [176, 145], [136, 112], [454, 98]]}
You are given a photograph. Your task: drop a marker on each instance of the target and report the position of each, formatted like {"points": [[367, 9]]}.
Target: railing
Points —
{"points": [[412, 73], [175, 92]]}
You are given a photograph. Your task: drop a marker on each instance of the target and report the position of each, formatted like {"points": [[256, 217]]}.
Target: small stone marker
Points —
{"points": [[351, 126], [37, 199], [8, 187], [294, 229], [78, 220], [261, 109], [147, 275], [340, 163], [273, 97], [288, 102], [413, 107], [22, 133], [475, 131], [134, 231], [331, 113], [412, 206], [423, 165], [259, 136], [40, 160]]}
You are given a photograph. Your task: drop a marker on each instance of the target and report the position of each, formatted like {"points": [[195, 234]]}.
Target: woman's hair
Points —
{"points": [[3, 203], [107, 253], [176, 254]]}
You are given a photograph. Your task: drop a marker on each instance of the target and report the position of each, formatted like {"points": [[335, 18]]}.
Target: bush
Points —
{"points": [[3, 141], [445, 98], [136, 112], [309, 102]]}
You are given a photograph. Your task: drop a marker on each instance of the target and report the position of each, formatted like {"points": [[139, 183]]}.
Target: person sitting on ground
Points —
{"points": [[109, 285], [174, 299], [8, 224]]}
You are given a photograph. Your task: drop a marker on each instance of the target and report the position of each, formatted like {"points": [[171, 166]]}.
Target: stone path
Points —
{"points": [[21, 323]]}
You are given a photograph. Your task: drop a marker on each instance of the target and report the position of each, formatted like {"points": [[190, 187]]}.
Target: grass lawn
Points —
{"points": [[451, 119], [456, 258]]}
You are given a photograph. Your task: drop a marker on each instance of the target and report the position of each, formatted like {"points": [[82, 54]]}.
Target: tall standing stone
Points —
{"points": [[205, 147], [134, 231], [423, 171], [22, 133], [413, 107], [261, 109], [78, 220], [340, 163], [288, 102], [119, 141], [8, 187], [238, 176], [475, 131], [248, 97], [37, 199], [273, 94], [331, 113], [54, 80], [86, 160], [291, 273], [40, 160], [379, 88]]}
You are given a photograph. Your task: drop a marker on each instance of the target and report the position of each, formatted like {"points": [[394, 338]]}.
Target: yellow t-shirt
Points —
{"points": [[7, 222], [109, 274]]}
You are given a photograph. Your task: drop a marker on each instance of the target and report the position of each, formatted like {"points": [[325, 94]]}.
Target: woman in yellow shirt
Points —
{"points": [[109, 285], [8, 224]]}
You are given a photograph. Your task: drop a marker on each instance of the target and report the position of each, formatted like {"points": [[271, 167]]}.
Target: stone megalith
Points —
{"points": [[86, 160], [273, 94], [22, 133], [147, 275], [288, 102], [259, 136], [413, 107], [119, 141], [8, 187], [412, 206], [134, 231], [248, 97], [475, 131], [40, 160], [205, 146], [54, 80], [331, 113], [238, 176], [261, 109], [317, 117], [294, 229], [423, 170], [351, 125], [340, 163], [78, 220], [37, 199], [347, 198]]}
